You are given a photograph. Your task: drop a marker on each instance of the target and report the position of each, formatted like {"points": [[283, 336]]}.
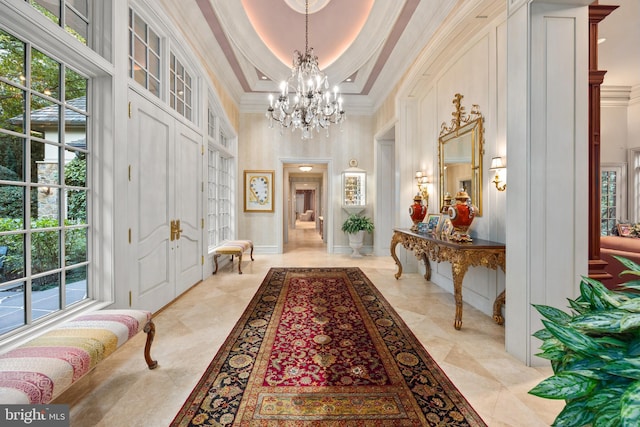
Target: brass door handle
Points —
{"points": [[175, 230], [178, 229]]}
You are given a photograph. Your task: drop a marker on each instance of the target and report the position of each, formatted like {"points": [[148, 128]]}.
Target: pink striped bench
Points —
{"points": [[233, 247], [41, 369]]}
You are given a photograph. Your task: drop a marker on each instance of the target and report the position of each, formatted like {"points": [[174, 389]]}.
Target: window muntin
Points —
{"points": [[72, 15], [43, 178], [144, 54], [180, 88]]}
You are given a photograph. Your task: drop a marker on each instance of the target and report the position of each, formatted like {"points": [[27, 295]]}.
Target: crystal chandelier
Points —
{"points": [[313, 106]]}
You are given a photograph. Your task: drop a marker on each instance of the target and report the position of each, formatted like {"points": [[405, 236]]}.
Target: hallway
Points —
{"points": [[122, 391]]}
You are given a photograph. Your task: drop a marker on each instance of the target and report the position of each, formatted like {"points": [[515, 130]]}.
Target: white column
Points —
{"points": [[547, 158]]}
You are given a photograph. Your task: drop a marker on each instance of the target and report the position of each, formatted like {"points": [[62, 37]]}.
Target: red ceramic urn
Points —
{"points": [[462, 214], [417, 211]]}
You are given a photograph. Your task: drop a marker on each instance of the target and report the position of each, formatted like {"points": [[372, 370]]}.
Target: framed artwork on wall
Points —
{"points": [[258, 191]]}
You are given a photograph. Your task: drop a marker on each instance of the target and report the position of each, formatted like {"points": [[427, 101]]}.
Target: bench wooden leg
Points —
{"points": [[240, 263], [251, 253], [215, 260], [150, 330]]}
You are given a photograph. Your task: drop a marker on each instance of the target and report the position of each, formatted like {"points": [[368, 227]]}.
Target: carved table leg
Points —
{"points": [[394, 242], [497, 308], [427, 266], [458, 268], [150, 330]]}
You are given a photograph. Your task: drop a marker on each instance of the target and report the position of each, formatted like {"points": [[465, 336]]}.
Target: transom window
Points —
{"points": [[44, 157], [72, 15], [180, 88], [144, 54]]}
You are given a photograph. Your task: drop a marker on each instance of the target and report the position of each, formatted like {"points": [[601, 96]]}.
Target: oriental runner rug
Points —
{"points": [[321, 346]]}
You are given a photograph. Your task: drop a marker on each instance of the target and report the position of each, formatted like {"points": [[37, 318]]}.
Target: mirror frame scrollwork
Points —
{"points": [[464, 125]]}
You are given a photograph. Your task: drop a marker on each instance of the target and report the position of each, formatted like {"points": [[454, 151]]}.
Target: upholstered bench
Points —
{"points": [[41, 369], [233, 248]]}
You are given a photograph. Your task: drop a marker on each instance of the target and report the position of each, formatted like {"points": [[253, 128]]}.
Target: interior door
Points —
{"points": [[189, 156], [165, 186], [151, 204]]}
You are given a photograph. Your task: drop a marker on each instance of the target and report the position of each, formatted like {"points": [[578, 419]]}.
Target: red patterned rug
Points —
{"points": [[321, 346]]}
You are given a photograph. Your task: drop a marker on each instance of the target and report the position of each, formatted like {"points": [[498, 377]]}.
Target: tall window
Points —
{"points": [[144, 54], [612, 191], [180, 88], [44, 156], [72, 15], [220, 190]]}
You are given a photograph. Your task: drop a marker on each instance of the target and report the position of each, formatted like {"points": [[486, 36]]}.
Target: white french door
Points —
{"points": [[164, 203]]}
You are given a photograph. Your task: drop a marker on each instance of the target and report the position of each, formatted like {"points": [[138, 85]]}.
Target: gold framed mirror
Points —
{"points": [[460, 151]]}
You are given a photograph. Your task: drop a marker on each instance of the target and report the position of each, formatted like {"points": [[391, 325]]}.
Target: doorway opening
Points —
{"points": [[304, 221]]}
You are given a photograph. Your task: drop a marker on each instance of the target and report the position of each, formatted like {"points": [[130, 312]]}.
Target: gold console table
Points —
{"points": [[480, 252]]}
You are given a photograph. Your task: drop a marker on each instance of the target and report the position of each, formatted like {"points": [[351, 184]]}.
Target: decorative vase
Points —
{"points": [[461, 214], [417, 211], [355, 243]]}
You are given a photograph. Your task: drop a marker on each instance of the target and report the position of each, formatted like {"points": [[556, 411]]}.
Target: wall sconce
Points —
{"points": [[498, 166], [423, 190]]}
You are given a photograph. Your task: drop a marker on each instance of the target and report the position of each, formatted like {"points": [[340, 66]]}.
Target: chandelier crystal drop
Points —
{"points": [[313, 106]]}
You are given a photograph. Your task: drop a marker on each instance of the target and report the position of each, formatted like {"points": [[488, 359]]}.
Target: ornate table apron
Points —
{"points": [[480, 252]]}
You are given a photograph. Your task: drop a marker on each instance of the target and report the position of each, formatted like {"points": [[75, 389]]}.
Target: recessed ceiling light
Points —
{"points": [[348, 79], [602, 40], [264, 77]]}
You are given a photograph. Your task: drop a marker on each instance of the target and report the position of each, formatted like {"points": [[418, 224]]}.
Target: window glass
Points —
{"points": [[144, 55], [73, 15], [43, 179]]}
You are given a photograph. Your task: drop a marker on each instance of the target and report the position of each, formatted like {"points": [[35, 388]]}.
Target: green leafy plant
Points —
{"points": [[595, 354], [355, 223]]}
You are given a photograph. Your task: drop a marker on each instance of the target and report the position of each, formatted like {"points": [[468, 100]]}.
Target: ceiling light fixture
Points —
{"points": [[305, 168], [313, 106]]}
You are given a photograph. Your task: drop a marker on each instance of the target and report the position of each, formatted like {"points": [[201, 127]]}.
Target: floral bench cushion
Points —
{"points": [[41, 369]]}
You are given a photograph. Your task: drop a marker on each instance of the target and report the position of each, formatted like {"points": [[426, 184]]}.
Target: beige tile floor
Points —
{"points": [[122, 392]]}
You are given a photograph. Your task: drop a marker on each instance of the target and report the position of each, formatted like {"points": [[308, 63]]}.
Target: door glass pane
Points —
{"points": [[45, 295], [45, 74], [12, 108], [12, 58], [12, 307], [76, 284]]}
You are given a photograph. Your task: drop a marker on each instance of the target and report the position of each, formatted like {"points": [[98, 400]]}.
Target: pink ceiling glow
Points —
{"points": [[332, 29]]}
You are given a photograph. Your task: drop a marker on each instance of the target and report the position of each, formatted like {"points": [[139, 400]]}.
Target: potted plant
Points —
{"points": [[595, 354], [355, 226]]}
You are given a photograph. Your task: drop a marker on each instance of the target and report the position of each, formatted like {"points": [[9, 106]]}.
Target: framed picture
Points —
{"points": [[258, 191], [433, 220], [624, 230], [447, 228]]}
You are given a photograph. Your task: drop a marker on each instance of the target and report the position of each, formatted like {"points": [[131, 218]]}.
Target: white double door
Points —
{"points": [[165, 186]]}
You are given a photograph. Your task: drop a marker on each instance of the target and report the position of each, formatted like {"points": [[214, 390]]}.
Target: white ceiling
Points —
{"points": [[249, 43]]}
